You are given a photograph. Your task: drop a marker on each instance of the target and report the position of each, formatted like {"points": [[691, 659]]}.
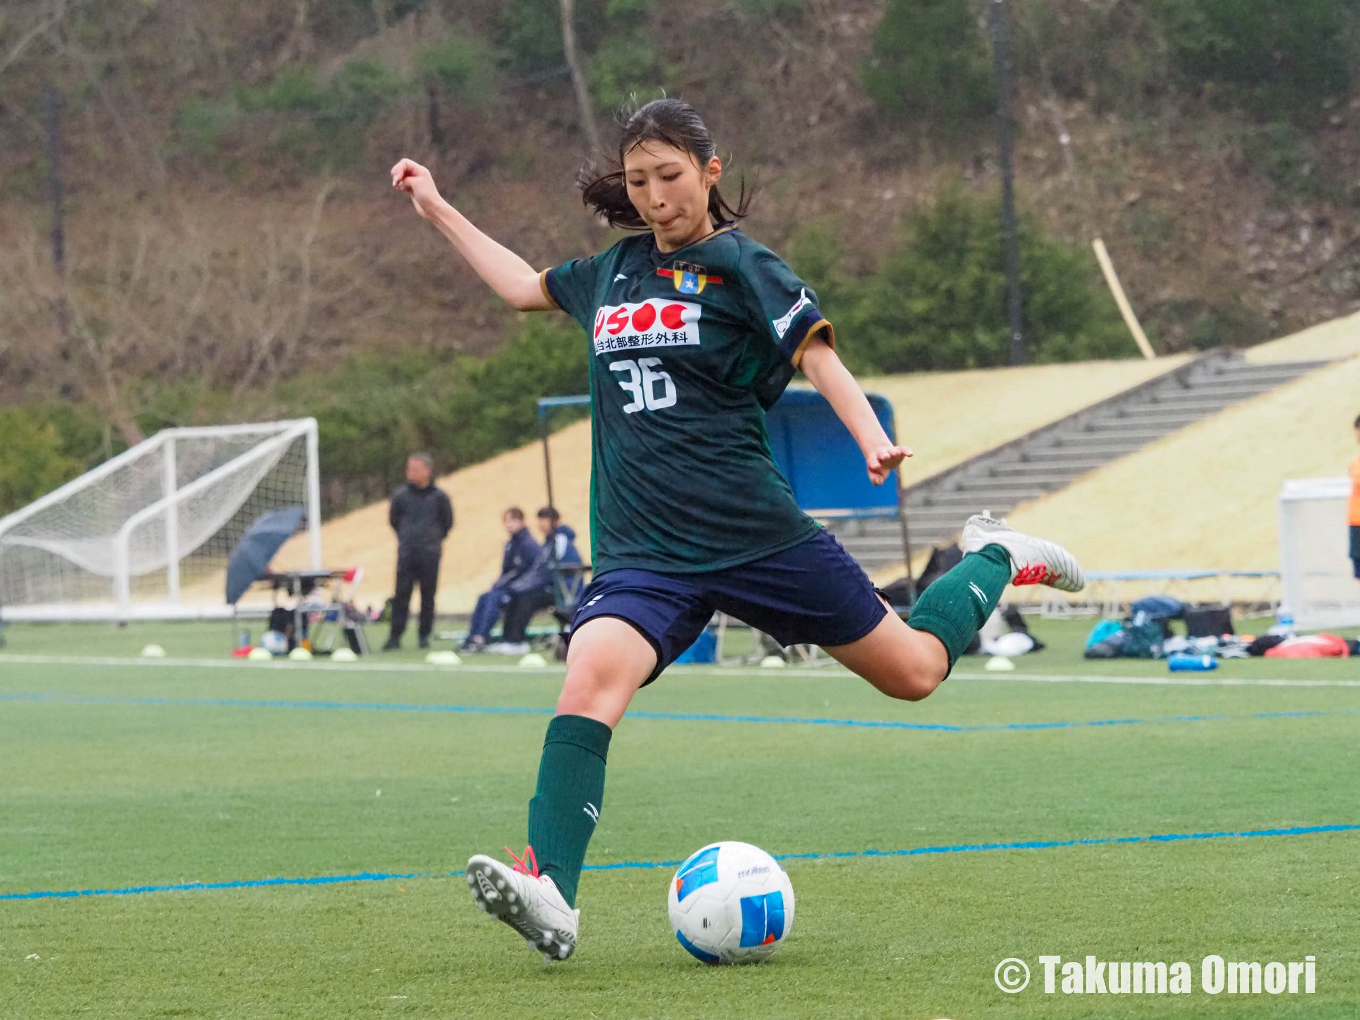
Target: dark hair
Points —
{"points": [[514, 513], [1357, 421], [673, 122], [549, 512]]}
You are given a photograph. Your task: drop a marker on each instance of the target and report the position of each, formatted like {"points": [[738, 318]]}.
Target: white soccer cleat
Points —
{"points": [[526, 901], [1033, 560]]}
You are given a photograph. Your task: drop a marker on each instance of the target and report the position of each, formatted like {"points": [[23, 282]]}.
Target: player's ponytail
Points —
{"points": [[673, 122]]}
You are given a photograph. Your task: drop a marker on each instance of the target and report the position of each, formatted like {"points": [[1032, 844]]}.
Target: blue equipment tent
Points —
{"points": [[820, 459]]}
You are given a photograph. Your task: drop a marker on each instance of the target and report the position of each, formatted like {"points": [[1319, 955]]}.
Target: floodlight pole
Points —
{"points": [[1006, 147], [906, 539], [57, 196], [547, 457]]}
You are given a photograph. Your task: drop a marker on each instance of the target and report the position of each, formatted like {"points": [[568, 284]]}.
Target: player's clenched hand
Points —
{"points": [[414, 179], [883, 460]]}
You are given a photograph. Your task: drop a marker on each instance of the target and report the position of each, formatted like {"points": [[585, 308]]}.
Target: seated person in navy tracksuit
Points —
{"points": [[537, 588], [520, 553]]}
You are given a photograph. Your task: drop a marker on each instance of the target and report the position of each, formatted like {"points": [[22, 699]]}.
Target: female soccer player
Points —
{"points": [[694, 330]]}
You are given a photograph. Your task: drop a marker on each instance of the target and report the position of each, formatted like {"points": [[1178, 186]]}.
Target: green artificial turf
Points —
{"points": [[121, 774]]}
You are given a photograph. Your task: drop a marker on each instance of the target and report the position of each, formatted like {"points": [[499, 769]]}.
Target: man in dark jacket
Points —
{"points": [[422, 516], [521, 551], [537, 589]]}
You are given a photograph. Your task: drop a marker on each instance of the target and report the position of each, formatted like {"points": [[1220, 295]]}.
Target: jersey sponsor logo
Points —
{"points": [[688, 278], [655, 322], [782, 324]]}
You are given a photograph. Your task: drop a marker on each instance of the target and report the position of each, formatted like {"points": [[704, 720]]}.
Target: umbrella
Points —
{"points": [[257, 547]]}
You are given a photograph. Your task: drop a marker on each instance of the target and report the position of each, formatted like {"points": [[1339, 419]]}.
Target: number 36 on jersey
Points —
{"points": [[644, 381]]}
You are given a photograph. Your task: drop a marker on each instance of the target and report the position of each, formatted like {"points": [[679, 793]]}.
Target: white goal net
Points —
{"points": [[147, 534], [1316, 578]]}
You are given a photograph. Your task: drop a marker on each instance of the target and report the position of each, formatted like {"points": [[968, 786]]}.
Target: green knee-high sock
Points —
{"points": [[956, 606], [570, 793]]}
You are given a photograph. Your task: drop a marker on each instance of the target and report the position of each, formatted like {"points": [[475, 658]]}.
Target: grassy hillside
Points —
{"points": [[232, 249]]}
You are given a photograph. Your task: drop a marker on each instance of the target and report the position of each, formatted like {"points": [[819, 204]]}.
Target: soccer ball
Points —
{"points": [[274, 642], [731, 903]]}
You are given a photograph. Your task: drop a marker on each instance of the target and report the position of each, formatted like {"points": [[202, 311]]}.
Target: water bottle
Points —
{"points": [[243, 639], [1284, 625], [1192, 663]]}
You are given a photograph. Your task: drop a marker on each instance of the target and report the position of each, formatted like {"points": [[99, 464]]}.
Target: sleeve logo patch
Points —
{"points": [[651, 323], [782, 324]]}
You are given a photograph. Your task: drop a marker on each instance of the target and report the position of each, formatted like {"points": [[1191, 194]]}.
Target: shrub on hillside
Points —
{"points": [[297, 112], [929, 64], [938, 299], [1281, 58], [379, 406], [35, 460], [461, 65]]}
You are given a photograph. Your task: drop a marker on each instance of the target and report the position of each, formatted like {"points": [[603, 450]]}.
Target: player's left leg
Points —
{"points": [[815, 593], [909, 660]]}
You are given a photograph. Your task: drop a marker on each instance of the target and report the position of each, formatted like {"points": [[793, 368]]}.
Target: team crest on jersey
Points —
{"points": [[689, 278], [655, 322]]}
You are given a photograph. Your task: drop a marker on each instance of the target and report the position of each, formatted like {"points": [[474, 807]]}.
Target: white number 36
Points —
{"points": [[643, 378]]}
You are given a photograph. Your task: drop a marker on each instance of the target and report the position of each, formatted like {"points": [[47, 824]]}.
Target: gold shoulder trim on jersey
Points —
{"points": [[543, 284], [820, 326]]}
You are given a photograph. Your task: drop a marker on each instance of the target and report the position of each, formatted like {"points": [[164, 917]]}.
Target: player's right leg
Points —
{"points": [[606, 663], [631, 625]]}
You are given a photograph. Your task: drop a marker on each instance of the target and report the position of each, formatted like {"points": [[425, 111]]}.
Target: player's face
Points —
{"points": [[417, 473], [670, 191]]}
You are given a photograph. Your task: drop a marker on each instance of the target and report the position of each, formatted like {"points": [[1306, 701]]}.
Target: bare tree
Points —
{"points": [[274, 307], [186, 294], [578, 78]]}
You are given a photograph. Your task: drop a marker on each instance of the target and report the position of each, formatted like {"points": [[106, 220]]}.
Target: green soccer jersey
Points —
{"points": [[687, 350]]}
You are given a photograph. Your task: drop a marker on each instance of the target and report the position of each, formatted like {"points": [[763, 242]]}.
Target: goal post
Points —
{"points": [[1317, 585], [147, 534]]}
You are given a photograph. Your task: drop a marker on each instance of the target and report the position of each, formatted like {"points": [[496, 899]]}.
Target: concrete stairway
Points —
{"points": [[1054, 456]]}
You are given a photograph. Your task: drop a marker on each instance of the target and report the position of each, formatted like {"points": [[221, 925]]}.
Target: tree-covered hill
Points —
{"points": [[232, 249]]}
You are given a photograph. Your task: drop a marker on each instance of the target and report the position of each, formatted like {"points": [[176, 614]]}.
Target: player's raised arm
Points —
{"points": [[824, 369], [502, 270]]}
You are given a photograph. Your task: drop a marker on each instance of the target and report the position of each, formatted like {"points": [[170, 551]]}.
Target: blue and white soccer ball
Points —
{"points": [[731, 903], [275, 642]]}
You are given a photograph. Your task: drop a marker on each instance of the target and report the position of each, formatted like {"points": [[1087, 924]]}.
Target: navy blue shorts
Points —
{"points": [[813, 593], [1355, 549]]}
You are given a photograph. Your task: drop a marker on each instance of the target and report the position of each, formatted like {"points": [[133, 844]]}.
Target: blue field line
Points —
{"points": [[785, 720], [956, 848]]}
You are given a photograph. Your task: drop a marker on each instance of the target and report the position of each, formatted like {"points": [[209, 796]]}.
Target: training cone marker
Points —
{"points": [[153, 652], [300, 653], [999, 664], [258, 654], [343, 655], [772, 662], [443, 658], [533, 661]]}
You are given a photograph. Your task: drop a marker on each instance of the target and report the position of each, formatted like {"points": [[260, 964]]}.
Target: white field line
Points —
{"points": [[750, 672]]}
